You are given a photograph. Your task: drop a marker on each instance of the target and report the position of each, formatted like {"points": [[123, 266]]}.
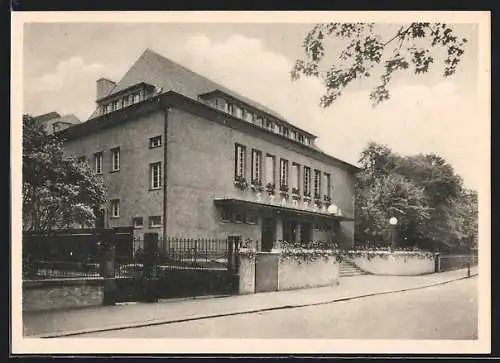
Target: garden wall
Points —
{"points": [[297, 272], [294, 271], [62, 294], [398, 263]]}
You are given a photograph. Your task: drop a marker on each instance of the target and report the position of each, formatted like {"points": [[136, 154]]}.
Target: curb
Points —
{"points": [[164, 321]]}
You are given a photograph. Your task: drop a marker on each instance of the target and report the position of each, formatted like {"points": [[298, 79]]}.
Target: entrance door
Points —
{"points": [[268, 233]]}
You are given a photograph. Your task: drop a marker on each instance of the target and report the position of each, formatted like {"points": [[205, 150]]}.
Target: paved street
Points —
{"points": [[446, 311]]}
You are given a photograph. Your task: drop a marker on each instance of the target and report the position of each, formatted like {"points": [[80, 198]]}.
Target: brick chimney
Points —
{"points": [[103, 87]]}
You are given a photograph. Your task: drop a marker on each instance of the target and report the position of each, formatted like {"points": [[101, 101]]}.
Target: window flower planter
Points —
{"points": [[270, 188], [256, 186], [284, 191], [240, 183]]}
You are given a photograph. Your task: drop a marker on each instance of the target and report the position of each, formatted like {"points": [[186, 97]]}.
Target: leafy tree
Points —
{"points": [[422, 191], [364, 50], [58, 190]]}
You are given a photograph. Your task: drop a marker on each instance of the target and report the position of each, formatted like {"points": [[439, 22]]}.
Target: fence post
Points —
{"points": [[468, 269], [107, 266], [150, 257], [437, 262]]}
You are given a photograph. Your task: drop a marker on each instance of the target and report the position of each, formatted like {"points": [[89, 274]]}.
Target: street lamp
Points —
{"points": [[393, 221]]}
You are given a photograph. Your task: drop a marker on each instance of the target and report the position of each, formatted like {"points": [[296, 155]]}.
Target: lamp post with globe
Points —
{"points": [[393, 221]]}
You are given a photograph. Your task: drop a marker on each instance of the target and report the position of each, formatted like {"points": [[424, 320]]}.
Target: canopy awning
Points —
{"points": [[231, 202]]}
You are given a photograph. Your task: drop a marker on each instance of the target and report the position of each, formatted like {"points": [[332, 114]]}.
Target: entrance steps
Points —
{"points": [[349, 269]]}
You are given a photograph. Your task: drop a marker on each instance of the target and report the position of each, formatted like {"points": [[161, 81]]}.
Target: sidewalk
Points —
{"points": [[61, 323]]}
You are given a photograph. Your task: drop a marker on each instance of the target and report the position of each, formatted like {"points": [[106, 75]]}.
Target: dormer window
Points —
{"points": [[286, 132], [239, 112], [269, 124], [229, 108], [301, 138], [136, 98]]}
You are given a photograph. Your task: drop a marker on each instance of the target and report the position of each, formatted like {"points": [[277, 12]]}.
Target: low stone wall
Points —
{"points": [[296, 272], [62, 294], [398, 263]]}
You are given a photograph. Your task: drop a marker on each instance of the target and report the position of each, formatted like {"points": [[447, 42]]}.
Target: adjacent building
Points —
{"points": [[186, 157], [53, 122]]}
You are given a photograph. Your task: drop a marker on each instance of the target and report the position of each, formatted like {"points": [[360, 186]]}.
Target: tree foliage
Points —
{"points": [[58, 190], [421, 191], [409, 49]]}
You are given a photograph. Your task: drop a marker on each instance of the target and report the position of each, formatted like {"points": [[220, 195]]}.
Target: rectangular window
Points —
{"points": [[296, 178], [258, 120], [239, 112], [137, 98], [226, 215], [301, 138], [269, 124], [239, 161], [249, 117], [317, 184], [270, 169], [328, 185], [239, 217], [155, 171], [155, 221], [115, 208], [283, 173], [286, 132], [251, 218], [307, 181], [155, 141], [256, 167], [229, 108], [244, 114], [138, 222], [98, 162], [307, 141], [115, 159]]}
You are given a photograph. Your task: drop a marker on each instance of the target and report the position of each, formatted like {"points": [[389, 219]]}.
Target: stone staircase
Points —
{"points": [[349, 269]]}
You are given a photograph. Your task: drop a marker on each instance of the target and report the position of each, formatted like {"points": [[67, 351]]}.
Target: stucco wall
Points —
{"points": [[200, 167], [51, 295], [320, 272], [132, 183], [397, 263], [246, 274]]}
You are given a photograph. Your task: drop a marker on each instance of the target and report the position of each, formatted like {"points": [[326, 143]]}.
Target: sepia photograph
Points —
{"points": [[237, 182]]}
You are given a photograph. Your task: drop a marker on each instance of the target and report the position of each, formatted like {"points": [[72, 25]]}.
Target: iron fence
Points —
{"points": [[179, 254]]}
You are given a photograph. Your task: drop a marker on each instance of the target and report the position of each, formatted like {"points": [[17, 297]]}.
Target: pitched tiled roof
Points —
{"points": [[161, 72], [47, 116]]}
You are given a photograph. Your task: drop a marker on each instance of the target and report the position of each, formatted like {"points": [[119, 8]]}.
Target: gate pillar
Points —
{"points": [[150, 261], [107, 258]]}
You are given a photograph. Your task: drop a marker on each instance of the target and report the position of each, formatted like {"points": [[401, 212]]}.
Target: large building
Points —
{"points": [[186, 157]]}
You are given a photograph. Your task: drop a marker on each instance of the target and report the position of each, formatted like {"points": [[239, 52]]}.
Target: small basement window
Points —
{"points": [[138, 222], [155, 221]]}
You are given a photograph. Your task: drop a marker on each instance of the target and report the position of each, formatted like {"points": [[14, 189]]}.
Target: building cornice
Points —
{"points": [[172, 99]]}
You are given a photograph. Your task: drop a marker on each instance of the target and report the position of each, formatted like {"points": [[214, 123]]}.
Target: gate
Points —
{"points": [[178, 267]]}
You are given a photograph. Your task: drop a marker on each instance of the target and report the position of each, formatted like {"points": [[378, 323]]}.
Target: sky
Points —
{"points": [[426, 114]]}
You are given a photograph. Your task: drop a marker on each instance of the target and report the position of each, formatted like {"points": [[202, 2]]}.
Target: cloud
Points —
{"points": [[67, 71], [418, 118], [69, 88]]}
